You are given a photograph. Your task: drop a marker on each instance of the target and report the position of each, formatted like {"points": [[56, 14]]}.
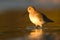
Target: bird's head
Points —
{"points": [[30, 9]]}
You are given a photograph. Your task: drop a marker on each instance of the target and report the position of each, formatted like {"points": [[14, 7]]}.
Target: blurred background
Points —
{"points": [[14, 21]]}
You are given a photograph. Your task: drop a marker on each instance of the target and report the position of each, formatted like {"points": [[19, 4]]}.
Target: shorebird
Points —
{"points": [[37, 18]]}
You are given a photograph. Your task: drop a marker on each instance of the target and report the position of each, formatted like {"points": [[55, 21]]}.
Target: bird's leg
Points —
{"points": [[44, 27], [41, 26], [36, 26]]}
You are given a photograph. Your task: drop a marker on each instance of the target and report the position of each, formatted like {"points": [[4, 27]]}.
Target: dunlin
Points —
{"points": [[37, 18]]}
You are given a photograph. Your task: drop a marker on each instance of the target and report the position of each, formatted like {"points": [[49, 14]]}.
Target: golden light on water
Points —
{"points": [[36, 34]]}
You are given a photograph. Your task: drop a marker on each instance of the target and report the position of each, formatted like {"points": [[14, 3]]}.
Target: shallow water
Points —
{"points": [[31, 34]]}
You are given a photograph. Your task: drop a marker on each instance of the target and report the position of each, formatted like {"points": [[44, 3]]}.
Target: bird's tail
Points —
{"points": [[46, 19], [49, 20]]}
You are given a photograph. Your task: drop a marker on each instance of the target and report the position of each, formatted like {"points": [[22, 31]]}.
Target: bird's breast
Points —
{"points": [[34, 19]]}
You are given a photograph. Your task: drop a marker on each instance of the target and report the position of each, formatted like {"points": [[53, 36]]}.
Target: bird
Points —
{"points": [[37, 18]]}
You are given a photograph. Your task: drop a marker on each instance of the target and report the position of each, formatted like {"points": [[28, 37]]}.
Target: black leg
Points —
{"points": [[38, 27]]}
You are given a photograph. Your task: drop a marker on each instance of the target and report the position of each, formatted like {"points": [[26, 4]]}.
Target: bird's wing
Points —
{"points": [[39, 16], [46, 19], [43, 17]]}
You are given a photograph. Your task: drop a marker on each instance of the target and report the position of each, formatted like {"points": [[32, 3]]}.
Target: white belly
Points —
{"points": [[35, 20]]}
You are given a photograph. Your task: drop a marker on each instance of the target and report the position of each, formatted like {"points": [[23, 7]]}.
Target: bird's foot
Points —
{"points": [[38, 27]]}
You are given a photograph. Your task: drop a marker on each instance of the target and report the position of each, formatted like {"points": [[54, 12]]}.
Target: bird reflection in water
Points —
{"points": [[40, 34], [36, 34]]}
